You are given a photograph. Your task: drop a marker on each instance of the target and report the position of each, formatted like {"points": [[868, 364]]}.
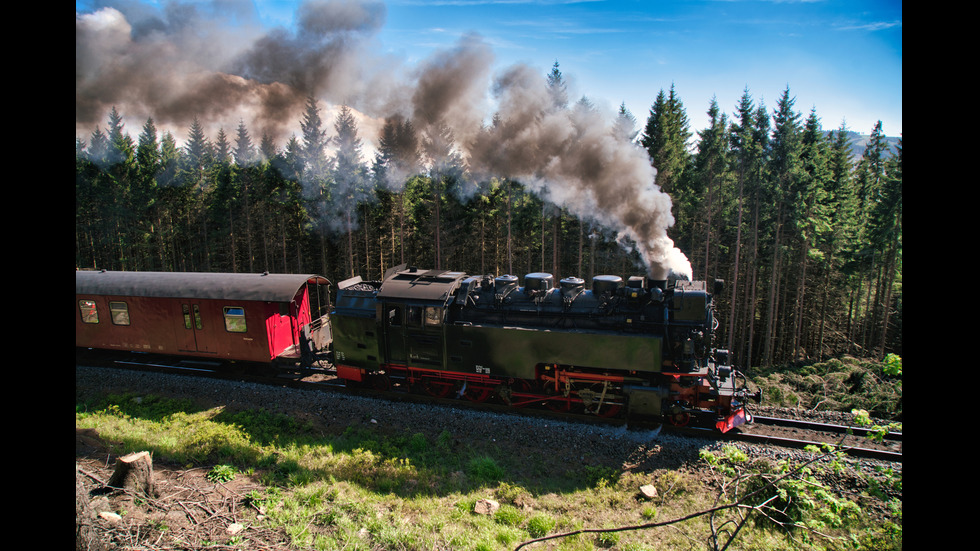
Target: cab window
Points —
{"points": [[395, 316], [433, 316], [413, 316]]}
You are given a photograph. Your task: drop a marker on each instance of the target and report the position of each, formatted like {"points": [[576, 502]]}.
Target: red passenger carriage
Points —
{"points": [[241, 317]]}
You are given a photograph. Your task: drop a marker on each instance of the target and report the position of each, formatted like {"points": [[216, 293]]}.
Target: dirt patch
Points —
{"points": [[186, 510]]}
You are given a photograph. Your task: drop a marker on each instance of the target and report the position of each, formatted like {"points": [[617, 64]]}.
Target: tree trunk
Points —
{"points": [[738, 251]]}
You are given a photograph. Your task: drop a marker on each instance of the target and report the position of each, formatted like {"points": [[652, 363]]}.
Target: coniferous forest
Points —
{"points": [[806, 235]]}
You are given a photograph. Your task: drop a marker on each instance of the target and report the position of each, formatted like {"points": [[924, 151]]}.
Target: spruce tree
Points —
{"points": [[244, 152], [144, 195], [315, 141], [810, 218], [785, 173], [557, 88], [701, 196], [665, 138], [349, 178]]}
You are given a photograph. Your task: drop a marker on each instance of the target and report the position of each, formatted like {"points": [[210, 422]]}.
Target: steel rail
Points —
{"points": [[827, 427]]}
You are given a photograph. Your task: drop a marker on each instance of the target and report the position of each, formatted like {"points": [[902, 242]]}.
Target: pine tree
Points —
{"points": [[317, 169], [148, 162], [248, 174], [665, 138], [624, 128], [170, 201], [268, 148], [98, 147], [785, 172], [244, 153], [222, 148], [446, 168], [349, 178], [196, 160], [869, 178], [841, 208], [746, 158], [810, 217], [701, 195], [315, 142], [887, 237], [557, 88], [121, 171]]}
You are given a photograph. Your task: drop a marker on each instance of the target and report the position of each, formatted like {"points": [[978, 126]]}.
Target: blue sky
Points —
{"points": [[842, 58]]}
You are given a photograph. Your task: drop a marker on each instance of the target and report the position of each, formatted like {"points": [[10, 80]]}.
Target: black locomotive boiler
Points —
{"points": [[637, 348]]}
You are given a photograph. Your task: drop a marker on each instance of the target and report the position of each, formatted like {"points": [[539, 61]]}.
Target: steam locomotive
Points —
{"points": [[640, 348]]}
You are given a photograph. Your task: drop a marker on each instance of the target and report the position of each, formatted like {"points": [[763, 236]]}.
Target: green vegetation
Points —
{"points": [[845, 384], [362, 489]]}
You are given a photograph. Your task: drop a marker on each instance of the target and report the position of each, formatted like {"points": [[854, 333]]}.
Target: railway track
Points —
{"points": [[768, 431], [795, 433]]}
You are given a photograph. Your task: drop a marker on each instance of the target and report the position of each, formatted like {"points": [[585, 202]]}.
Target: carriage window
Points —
{"points": [[90, 313], [235, 319], [198, 324], [119, 312], [433, 316]]}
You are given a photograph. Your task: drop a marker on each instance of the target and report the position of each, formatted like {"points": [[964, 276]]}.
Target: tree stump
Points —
{"points": [[134, 472]]}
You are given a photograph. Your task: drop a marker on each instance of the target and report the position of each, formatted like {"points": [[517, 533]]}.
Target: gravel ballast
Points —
{"points": [[562, 444]]}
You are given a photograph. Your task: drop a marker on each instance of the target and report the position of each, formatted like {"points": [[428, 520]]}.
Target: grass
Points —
{"points": [[361, 489]]}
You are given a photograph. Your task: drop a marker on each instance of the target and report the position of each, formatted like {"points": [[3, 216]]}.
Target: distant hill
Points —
{"points": [[860, 141]]}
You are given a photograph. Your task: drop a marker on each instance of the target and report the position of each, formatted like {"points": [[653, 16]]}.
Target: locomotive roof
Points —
{"points": [[265, 287], [414, 284]]}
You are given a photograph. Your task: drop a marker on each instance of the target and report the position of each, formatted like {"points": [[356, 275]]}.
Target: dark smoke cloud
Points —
{"points": [[575, 158], [212, 62]]}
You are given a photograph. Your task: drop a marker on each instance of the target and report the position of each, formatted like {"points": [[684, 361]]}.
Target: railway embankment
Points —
{"points": [[534, 466]]}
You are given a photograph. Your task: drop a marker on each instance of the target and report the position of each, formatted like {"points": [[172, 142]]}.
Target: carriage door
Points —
{"points": [[191, 332]]}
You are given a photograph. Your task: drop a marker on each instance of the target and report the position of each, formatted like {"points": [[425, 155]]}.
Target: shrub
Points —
{"points": [[484, 469], [540, 525]]}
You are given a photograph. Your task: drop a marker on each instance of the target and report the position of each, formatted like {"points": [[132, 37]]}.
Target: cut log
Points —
{"points": [[134, 473]]}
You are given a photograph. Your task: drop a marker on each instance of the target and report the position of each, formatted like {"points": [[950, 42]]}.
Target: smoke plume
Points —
{"points": [[213, 62]]}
